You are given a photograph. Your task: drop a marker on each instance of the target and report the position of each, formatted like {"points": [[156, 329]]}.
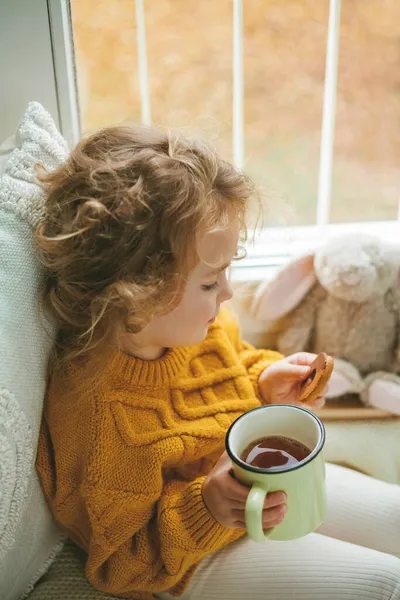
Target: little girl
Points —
{"points": [[150, 371]]}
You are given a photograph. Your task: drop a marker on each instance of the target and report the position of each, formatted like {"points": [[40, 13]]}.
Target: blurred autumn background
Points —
{"points": [[189, 46]]}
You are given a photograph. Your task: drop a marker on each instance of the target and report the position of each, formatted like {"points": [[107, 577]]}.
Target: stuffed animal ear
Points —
{"points": [[278, 296]]}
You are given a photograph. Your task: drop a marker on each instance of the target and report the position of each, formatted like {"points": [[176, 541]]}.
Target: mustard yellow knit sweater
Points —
{"points": [[122, 463]]}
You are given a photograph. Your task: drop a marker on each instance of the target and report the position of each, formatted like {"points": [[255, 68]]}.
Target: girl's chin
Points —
{"points": [[196, 339]]}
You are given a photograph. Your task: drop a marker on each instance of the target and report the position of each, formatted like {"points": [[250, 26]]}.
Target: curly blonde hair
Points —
{"points": [[121, 217]]}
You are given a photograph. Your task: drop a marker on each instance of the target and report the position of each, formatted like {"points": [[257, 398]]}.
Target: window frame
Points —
{"points": [[273, 246]]}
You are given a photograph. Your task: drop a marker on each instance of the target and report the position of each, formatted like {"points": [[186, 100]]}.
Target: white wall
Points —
{"points": [[37, 63]]}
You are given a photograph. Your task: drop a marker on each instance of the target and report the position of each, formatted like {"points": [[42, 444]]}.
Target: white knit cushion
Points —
{"points": [[29, 539], [5, 150]]}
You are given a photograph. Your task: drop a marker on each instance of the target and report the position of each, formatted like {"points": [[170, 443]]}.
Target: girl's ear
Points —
{"points": [[276, 297]]}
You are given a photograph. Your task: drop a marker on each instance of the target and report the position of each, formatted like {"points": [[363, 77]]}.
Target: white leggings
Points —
{"points": [[353, 557]]}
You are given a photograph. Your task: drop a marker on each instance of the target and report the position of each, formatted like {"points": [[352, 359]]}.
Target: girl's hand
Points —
{"points": [[280, 382], [226, 498]]}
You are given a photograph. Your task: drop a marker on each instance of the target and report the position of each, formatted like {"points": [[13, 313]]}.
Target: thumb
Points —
{"points": [[291, 372], [300, 371]]}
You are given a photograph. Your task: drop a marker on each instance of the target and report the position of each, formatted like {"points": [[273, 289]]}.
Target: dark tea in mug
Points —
{"points": [[275, 452]]}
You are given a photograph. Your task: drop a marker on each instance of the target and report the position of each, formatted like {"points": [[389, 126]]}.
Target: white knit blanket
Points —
{"points": [[29, 538]]}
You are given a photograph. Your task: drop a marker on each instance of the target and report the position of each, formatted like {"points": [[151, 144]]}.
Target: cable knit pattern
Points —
{"points": [[39, 142], [122, 464], [29, 538], [16, 453]]}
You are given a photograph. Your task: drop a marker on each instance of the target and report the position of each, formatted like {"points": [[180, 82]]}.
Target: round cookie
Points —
{"points": [[316, 382]]}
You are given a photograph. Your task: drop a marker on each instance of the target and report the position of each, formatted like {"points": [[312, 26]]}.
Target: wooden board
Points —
{"points": [[351, 409]]}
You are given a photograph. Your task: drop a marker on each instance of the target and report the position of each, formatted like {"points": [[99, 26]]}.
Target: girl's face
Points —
{"points": [[206, 289]]}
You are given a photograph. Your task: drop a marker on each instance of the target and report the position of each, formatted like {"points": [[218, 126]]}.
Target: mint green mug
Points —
{"points": [[303, 483]]}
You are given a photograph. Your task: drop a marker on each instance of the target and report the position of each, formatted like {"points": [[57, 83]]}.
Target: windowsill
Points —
{"points": [[275, 246]]}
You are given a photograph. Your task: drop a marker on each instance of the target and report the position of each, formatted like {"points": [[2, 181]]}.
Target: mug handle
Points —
{"points": [[253, 512]]}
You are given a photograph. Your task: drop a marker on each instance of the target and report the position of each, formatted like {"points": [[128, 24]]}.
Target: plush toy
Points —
{"points": [[343, 300]]}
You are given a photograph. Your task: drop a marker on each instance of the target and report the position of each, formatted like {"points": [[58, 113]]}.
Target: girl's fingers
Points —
{"points": [[238, 515], [271, 517], [301, 358], [286, 371], [273, 499], [274, 523], [236, 491], [269, 514], [239, 524]]}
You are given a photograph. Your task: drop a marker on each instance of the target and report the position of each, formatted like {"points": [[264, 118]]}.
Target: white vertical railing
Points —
{"points": [[142, 63], [328, 117], [238, 125], [329, 102], [64, 68]]}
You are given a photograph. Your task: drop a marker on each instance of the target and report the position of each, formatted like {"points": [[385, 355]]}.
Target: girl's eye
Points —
{"points": [[210, 286]]}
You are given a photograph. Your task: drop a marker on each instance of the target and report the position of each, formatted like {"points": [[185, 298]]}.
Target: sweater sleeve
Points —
{"points": [[254, 360], [148, 532]]}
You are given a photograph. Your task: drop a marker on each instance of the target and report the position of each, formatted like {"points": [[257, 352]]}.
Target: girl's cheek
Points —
{"points": [[210, 306]]}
